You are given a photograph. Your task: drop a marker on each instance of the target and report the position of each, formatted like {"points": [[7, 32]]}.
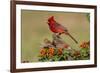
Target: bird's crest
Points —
{"points": [[51, 18]]}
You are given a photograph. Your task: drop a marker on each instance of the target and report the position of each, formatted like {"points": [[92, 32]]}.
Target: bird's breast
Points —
{"points": [[53, 28]]}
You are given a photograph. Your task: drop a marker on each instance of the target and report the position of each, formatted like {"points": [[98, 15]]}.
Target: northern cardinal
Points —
{"points": [[55, 27]]}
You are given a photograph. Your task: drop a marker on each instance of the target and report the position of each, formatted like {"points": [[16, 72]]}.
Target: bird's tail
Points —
{"points": [[72, 37]]}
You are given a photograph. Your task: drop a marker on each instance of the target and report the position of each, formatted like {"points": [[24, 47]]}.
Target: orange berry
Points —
{"points": [[42, 52], [50, 52], [84, 45], [60, 51]]}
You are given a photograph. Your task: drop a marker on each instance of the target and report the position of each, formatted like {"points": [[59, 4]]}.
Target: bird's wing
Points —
{"points": [[61, 26]]}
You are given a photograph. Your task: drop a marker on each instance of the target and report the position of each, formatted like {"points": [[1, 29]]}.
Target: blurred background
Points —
{"points": [[35, 29]]}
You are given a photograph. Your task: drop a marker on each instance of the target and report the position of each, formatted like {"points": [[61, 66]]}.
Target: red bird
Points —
{"points": [[55, 27]]}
